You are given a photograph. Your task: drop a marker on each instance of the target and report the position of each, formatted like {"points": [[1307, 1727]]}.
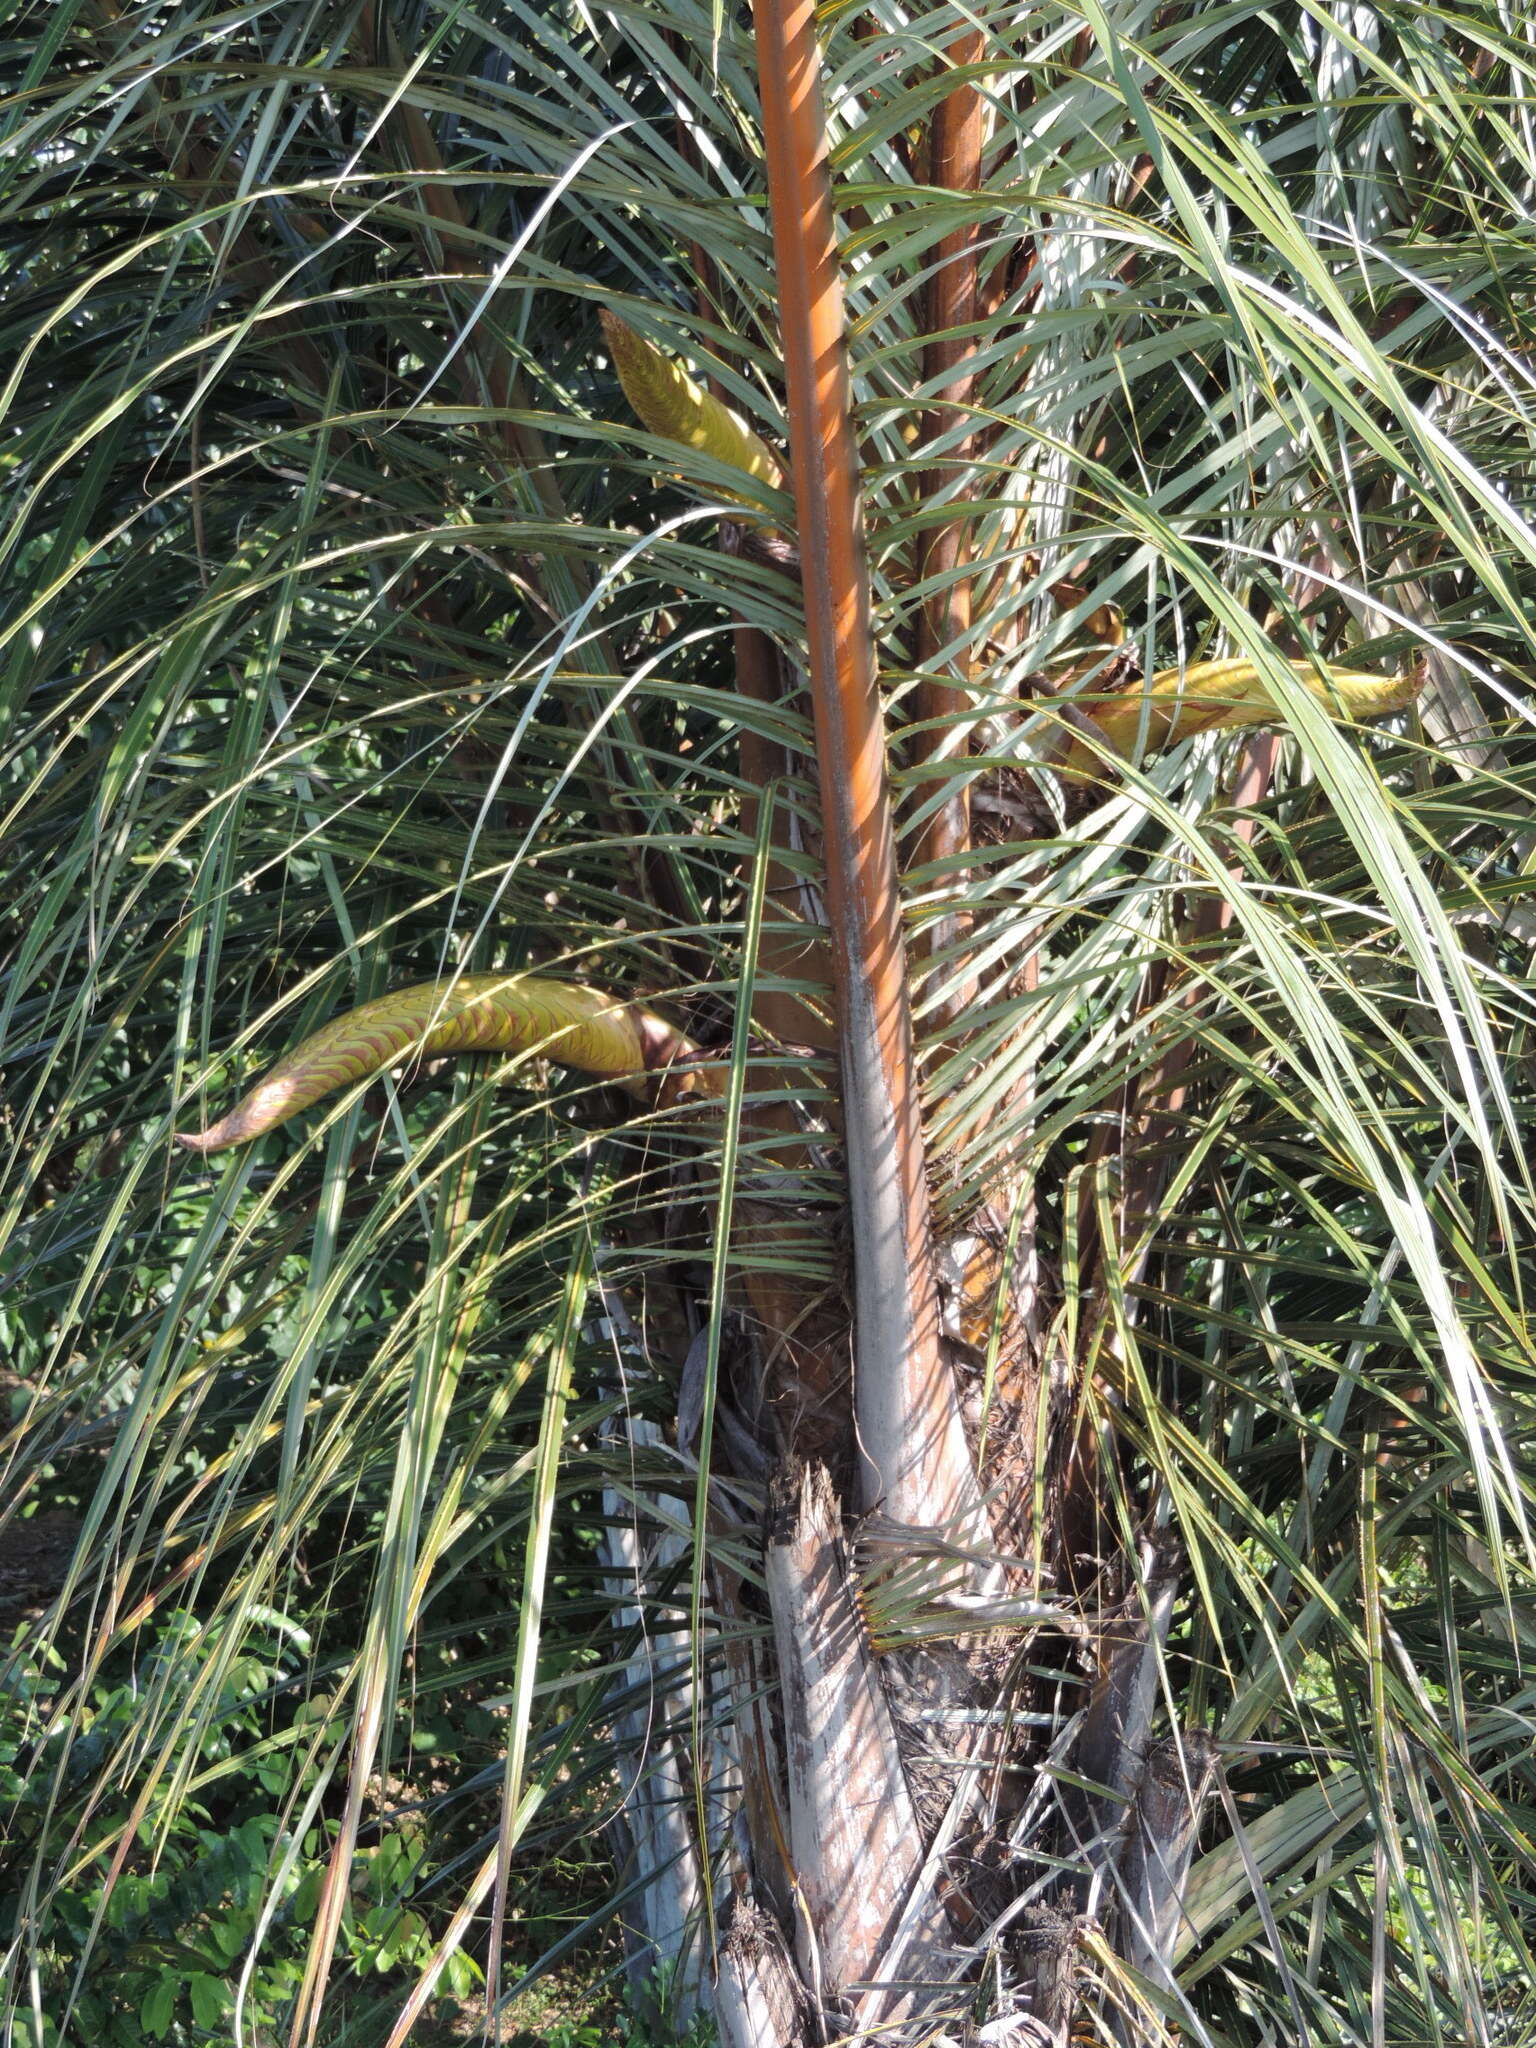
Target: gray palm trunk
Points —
{"points": [[899, 1850]]}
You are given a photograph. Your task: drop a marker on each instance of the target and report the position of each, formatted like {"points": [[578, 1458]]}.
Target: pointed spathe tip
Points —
{"points": [[198, 1141]]}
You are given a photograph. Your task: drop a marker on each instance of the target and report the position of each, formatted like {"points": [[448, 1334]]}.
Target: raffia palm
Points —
{"points": [[414, 590]]}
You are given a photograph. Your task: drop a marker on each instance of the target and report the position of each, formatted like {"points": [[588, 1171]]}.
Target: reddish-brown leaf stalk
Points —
{"points": [[911, 1436], [955, 145]]}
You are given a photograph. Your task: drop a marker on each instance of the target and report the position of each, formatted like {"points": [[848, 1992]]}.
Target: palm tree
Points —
{"points": [[955, 1376]]}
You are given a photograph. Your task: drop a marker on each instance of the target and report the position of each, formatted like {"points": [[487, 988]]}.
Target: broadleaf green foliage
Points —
{"points": [[353, 630], [171, 1942]]}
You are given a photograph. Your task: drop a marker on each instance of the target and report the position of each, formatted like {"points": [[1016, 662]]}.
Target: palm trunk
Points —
{"points": [[887, 1842]]}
